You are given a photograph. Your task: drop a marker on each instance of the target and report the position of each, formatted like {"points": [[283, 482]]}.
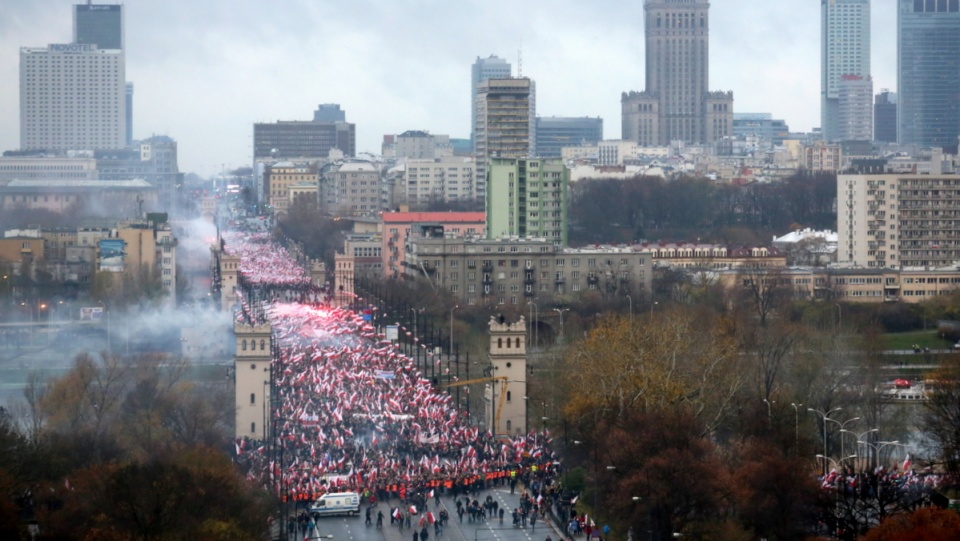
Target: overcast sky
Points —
{"points": [[205, 70]]}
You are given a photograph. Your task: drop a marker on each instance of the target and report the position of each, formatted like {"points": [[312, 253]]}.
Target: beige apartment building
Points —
{"points": [[821, 156], [854, 285], [398, 225], [353, 189], [898, 220], [441, 179], [521, 271], [280, 177]]}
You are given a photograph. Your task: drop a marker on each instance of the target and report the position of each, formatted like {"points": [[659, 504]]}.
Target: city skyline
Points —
{"points": [[374, 57]]}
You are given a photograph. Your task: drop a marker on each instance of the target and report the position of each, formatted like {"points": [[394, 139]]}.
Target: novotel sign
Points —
{"points": [[99, 7], [71, 47]]}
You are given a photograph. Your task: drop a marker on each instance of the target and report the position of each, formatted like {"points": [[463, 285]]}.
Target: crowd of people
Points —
{"points": [[353, 412]]}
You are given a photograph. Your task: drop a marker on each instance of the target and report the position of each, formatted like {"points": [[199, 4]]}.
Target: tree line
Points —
{"points": [[689, 208], [121, 449]]}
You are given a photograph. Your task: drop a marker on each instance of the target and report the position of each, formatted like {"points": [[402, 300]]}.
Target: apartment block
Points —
{"points": [[521, 271], [899, 220], [398, 225], [441, 179], [528, 198], [505, 125], [280, 177], [352, 189]]}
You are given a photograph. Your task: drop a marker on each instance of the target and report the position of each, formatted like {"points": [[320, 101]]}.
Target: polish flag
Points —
{"points": [[906, 463]]}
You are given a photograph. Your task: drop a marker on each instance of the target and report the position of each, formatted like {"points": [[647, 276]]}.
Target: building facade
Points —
{"points": [[762, 125], [329, 112], [506, 112], [528, 197], [397, 227], [677, 104], [554, 133], [154, 160], [844, 51], [352, 189], [899, 220], [854, 120], [928, 73], [441, 179], [296, 139], [48, 168], [280, 177], [421, 145], [98, 24], [492, 67], [821, 156], [72, 97], [885, 117], [518, 272]]}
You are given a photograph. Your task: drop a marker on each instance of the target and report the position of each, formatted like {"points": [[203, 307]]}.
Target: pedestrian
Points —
{"points": [[501, 515], [424, 534], [533, 522], [415, 536]]}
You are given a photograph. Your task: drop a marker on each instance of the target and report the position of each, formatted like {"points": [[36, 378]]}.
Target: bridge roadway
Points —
{"points": [[353, 528]]}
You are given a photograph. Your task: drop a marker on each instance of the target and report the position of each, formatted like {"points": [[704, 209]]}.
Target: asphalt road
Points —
{"points": [[353, 528]]}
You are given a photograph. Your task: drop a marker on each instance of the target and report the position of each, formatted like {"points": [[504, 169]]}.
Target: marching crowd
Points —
{"points": [[354, 413]]}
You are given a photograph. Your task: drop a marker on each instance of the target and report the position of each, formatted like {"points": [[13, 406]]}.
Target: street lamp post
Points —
{"points": [[561, 311], [826, 417], [452, 310], [796, 428], [843, 427], [859, 437], [630, 301]]}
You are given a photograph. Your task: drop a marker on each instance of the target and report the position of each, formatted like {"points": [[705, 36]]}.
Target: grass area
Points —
{"points": [[906, 340]]}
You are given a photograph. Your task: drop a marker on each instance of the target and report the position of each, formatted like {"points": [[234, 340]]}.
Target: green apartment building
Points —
{"points": [[527, 198]]}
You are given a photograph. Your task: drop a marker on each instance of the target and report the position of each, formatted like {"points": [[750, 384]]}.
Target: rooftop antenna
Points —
{"points": [[520, 60]]}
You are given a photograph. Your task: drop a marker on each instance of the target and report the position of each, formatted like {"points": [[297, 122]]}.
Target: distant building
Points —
{"points": [[885, 117], [854, 120], [99, 24], [762, 125], [891, 220], [300, 139], [845, 57], [505, 128], [280, 177], [820, 156], [442, 179], [72, 97], [677, 104], [154, 159], [398, 225], [329, 112], [492, 67], [521, 271], [51, 168], [352, 189], [554, 133], [421, 145], [928, 78], [114, 199], [528, 197]]}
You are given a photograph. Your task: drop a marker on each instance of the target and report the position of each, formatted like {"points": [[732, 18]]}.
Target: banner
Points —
{"points": [[111, 255]]}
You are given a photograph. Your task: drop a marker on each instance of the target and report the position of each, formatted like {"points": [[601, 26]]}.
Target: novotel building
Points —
{"points": [[72, 97]]}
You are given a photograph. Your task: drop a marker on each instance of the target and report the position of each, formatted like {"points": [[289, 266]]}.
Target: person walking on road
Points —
{"points": [[533, 522]]}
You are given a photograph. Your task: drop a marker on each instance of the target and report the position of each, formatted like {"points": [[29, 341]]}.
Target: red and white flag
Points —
{"points": [[906, 463]]}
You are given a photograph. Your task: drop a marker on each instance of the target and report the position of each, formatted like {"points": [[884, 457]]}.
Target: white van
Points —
{"points": [[337, 503]]}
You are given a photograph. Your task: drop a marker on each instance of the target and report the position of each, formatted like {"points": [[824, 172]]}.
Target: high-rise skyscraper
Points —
{"points": [[885, 117], [677, 105], [506, 115], [854, 120], [73, 96], [928, 72], [844, 56], [98, 24], [493, 67]]}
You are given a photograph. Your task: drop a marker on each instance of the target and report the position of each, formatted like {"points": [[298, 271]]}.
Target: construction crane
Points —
{"points": [[505, 382]]}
